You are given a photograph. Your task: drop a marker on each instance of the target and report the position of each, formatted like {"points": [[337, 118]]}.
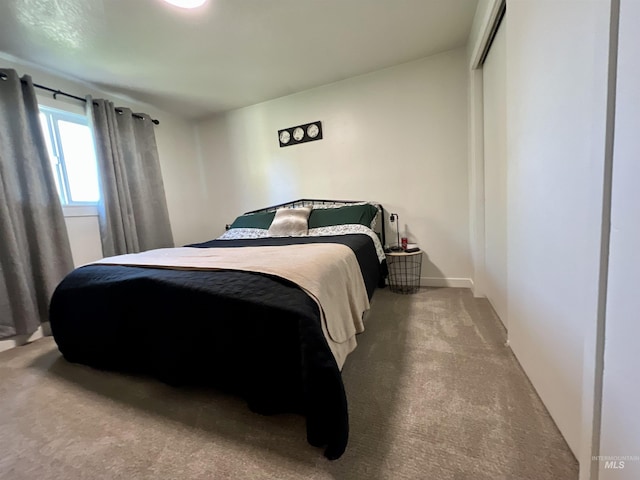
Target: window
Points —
{"points": [[72, 156]]}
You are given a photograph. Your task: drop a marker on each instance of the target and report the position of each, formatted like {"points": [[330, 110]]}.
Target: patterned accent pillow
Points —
{"points": [[290, 222], [243, 233], [349, 229], [340, 205]]}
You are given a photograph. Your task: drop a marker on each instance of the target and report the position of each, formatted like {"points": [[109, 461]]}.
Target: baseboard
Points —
{"points": [[446, 282], [19, 340]]}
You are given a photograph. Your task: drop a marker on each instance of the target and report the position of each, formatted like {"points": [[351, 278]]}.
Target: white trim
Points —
{"points": [[476, 147], [477, 288], [446, 282], [487, 25], [19, 340], [476, 180], [80, 211]]}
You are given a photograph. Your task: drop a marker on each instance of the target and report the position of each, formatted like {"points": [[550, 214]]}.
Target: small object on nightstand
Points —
{"points": [[412, 247], [395, 218]]}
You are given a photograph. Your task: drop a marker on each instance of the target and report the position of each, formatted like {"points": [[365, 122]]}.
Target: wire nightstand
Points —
{"points": [[404, 271]]}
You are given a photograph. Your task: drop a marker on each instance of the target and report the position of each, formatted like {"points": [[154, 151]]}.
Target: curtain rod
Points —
{"points": [[55, 92], [60, 92]]}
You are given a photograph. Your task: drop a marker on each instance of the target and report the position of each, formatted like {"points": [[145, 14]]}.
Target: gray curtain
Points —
{"points": [[133, 208], [34, 246]]}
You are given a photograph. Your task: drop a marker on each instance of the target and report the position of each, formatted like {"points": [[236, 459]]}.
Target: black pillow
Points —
{"points": [[254, 220], [358, 214]]}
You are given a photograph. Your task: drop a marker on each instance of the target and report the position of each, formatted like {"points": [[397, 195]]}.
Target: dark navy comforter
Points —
{"points": [[253, 334]]}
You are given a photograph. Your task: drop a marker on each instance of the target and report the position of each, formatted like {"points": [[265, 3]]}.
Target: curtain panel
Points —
{"points": [[34, 247], [133, 209]]}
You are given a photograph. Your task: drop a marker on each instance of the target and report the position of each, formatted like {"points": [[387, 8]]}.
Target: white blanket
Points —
{"points": [[327, 272]]}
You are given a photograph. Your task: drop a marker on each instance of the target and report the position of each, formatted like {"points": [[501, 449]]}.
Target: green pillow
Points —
{"points": [[325, 217], [254, 220]]}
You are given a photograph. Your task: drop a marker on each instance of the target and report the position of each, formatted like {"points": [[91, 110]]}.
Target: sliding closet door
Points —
{"points": [[495, 172], [620, 433]]}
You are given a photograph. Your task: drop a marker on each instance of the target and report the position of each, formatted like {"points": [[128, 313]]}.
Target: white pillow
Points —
{"points": [[290, 222]]}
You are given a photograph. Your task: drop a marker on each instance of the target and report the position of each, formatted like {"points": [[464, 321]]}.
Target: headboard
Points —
{"points": [[310, 202]]}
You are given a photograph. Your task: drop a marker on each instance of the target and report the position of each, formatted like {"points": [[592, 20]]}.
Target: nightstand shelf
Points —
{"points": [[404, 271]]}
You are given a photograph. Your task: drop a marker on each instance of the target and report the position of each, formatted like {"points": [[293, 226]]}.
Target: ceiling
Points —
{"points": [[230, 53]]}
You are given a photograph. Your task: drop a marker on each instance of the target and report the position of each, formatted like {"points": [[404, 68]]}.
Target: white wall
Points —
{"points": [[397, 136], [84, 234], [620, 433], [186, 194], [495, 173], [556, 93]]}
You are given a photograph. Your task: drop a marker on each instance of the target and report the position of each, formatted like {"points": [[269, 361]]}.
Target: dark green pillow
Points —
{"points": [[254, 220], [326, 217]]}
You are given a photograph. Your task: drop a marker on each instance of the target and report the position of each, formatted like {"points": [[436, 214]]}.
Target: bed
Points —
{"points": [[250, 332]]}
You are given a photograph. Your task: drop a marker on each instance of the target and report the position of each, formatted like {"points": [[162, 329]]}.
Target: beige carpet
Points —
{"points": [[433, 394]]}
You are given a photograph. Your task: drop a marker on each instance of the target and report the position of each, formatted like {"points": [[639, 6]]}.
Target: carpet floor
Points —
{"points": [[433, 393]]}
